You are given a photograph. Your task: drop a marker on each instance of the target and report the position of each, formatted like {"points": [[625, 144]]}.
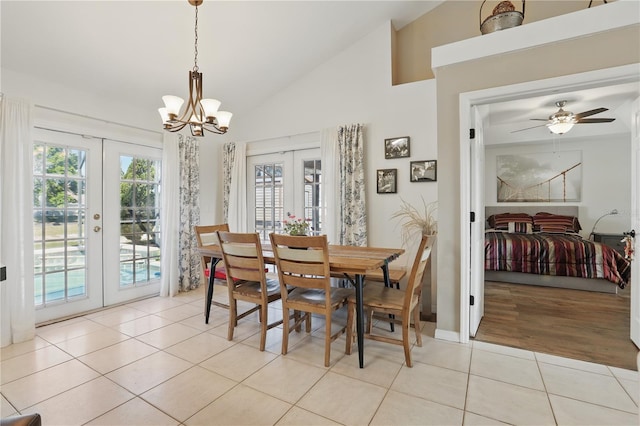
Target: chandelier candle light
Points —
{"points": [[200, 114]]}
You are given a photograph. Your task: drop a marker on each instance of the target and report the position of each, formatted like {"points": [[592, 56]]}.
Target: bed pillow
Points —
{"points": [[501, 221], [520, 227], [548, 222]]}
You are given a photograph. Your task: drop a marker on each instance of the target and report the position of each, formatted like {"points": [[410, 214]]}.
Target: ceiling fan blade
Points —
{"points": [[595, 120], [528, 128], [591, 112]]}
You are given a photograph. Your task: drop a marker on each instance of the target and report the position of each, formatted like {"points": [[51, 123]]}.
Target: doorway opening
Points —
{"points": [[476, 103]]}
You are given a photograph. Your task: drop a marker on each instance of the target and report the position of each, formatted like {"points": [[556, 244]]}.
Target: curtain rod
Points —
{"points": [[98, 119]]}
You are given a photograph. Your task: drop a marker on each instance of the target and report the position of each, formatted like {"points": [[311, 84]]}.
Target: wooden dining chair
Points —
{"points": [[305, 283], [207, 235], [247, 280], [401, 303]]}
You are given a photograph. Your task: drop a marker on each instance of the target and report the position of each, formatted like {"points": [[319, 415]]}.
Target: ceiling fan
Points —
{"points": [[562, 121]]}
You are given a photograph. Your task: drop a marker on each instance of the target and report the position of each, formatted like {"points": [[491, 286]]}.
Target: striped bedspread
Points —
{"points": [[554, 254]]}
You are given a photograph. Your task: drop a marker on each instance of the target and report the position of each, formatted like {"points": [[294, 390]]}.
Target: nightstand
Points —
{"points": [[612, 240]]}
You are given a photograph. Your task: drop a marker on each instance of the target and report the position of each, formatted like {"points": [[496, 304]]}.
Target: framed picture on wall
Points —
{"points": [[423, 171], [387, 180], [539, 177], [396, 147]]}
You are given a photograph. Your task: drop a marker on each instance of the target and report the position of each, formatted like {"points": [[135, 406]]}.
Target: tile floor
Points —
{"points": [[155, 362]]}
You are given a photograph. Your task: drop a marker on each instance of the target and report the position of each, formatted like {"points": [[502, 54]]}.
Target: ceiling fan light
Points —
{"points": [[172, 104], [560, 127]]}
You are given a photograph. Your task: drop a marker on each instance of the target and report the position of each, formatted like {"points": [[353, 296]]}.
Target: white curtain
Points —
{"points": [[353, 219], [330, 201], [237, 217], [189, 274], [228, 157], [16, 221], [170, 218]]}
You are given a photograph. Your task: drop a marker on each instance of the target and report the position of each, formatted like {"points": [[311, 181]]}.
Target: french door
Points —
{"points": [[131, 221], [96, 218], [283, 185], [67, 224]]}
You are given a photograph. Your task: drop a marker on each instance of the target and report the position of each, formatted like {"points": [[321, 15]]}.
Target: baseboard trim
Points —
{"points": [[451, 336]]}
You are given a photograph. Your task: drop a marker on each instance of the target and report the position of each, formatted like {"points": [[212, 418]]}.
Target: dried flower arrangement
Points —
{"points": [[417, 222]]}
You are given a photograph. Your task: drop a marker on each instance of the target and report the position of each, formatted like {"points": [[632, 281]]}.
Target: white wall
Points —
{"points": [[605, 178], [65, 108], [353, 87]]}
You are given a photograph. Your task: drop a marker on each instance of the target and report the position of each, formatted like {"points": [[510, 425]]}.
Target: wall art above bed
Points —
{"points": [[545, 177]]}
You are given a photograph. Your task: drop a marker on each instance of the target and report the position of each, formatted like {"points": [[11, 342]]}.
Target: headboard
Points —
{"points": [[532, 210]]}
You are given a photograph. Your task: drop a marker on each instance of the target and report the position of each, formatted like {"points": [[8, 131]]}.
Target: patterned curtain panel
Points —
{"points": [[353, 220], [228, 156], [189, 258]]}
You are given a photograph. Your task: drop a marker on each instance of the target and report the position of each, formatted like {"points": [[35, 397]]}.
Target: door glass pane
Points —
{"points": [[312, 192], [59, 226], [268, 199], [139, 220]]}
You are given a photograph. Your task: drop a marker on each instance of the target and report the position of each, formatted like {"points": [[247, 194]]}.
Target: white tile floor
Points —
{"points": [[155, 362]]}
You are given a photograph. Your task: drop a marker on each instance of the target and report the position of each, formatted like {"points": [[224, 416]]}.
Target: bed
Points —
{"points": [[545, 248]]}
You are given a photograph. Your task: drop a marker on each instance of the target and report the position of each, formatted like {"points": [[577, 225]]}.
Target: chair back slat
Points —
{"points": [[287, 253], [241, 250], [302, 268], [304, 281]]}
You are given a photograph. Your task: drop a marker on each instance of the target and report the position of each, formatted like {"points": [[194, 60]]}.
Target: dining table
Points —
{"points": [[352, 262]]}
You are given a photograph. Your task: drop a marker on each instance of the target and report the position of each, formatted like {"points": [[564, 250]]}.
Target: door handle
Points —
{"points": [[96, 229]]}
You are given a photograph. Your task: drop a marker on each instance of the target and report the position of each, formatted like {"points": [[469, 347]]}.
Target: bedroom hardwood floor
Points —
{"points": [[576, 324]]}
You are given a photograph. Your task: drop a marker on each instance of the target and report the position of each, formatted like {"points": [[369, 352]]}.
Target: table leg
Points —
{"points": [[212, 278], [360, 318]]}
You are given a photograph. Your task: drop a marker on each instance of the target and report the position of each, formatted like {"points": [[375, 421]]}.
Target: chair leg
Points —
{"points": [[405, 341], [327, 340], [307, 322], [296, 320], [285, 330], [416, 325], [263, 326], [369, 321], [350, 310], [233, 318]]}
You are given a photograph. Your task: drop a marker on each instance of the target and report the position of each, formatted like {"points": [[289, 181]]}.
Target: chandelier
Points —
{"points": [[200, 114]]}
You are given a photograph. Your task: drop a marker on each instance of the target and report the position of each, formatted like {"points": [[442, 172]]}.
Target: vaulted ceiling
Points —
{"points": [[137, 51]]}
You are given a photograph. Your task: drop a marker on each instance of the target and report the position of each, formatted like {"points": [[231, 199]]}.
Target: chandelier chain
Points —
{"points": [[195, 57]]}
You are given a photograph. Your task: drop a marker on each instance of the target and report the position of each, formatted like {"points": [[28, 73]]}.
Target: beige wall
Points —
{"points": [[456, 20], [600, 51]]}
